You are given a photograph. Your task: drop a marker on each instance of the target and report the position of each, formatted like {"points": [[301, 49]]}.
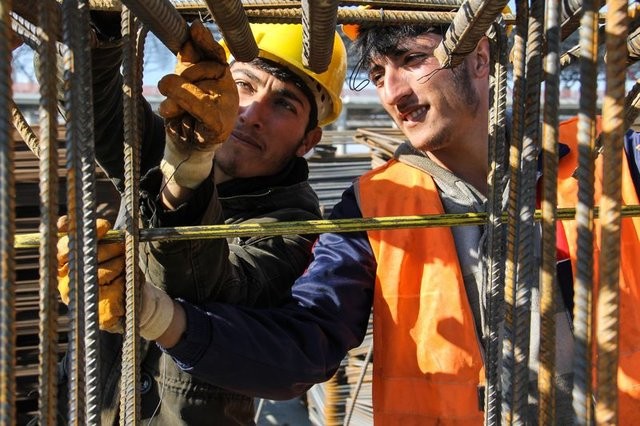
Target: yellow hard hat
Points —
{"points": [[282, 44]]}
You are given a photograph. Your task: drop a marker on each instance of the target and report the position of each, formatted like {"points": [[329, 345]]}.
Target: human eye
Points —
{"points": [[286, 104], [244, 86], [375, 76]]}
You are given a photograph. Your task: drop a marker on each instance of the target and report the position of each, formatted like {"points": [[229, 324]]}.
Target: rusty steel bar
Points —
{"points": [[49, 22], [26, 132], [570, 17], [162, 19], [548, 284], [234, 26], [7, 229], [355, 16], [470, 23], [613, 133], [513, 225], [134, 39], [590, 35], [495, 227], [319, 19]]}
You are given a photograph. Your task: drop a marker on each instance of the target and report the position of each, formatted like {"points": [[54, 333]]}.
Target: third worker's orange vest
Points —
{"points": [[629, 320], [427, 365]]}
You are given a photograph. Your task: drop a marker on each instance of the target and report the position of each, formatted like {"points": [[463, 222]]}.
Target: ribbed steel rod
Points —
{"points": [[610, 204], [471, 22], [48, 18], [7, 229], [162, 19], [570, 17], [132, 91], [183, 233], [548, 281], [513, 225], [583, 282], [495, 228], [319, 19], [24, 129], [234, 26]]}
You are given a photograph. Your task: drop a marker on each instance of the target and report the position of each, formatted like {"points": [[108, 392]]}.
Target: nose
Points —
{"points": [[252, 113], [395, 86]]}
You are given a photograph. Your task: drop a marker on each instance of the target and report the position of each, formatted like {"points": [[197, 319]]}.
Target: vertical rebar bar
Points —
{"points": [[495, 227], [548, 282], [162, 19], [319, 19], [48, 150], [610, 202], [513, 224], [132, 90], [583, 285], [7, 229], [234, 26]]}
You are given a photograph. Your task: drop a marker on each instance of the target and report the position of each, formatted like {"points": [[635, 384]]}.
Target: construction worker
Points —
{"points": [[426, 286], [235, 140]]}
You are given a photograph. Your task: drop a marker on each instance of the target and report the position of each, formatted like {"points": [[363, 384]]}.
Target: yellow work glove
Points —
{"points": [[157, 307], [111, 275], [200, 110]]}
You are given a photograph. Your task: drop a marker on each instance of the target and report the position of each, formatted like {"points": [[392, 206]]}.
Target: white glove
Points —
{"points": [[157, 312]]}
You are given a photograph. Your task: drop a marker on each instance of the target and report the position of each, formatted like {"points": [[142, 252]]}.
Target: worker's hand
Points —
{"points": [[111, 275], [200, 110]]}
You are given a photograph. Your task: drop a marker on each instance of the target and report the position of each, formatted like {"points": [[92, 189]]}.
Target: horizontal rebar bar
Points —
{"points": [[180, 233]]}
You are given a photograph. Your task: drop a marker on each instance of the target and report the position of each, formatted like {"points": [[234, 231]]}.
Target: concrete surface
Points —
{"points": [[283, 413]]}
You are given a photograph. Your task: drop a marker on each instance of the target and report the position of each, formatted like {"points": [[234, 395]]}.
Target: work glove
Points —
{"points": [[111, 275], [200, 110], [156, 306]]}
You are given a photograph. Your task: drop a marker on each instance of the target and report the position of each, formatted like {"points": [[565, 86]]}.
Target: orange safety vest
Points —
{"points": [[629, 322], [428, 365]]}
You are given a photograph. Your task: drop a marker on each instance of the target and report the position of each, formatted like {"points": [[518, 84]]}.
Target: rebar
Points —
{"points": [[234, 26], [548, 282], [132, 91], [513, 224], [7, 229], [162, 19], [26, 132], [183, 233], [319, 19], [495, 227], [608, 293], [48, 19], [470, 23], [583, 285]]}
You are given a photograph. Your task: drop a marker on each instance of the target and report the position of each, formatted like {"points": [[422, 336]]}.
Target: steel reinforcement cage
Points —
{"points": [[535, 60]]}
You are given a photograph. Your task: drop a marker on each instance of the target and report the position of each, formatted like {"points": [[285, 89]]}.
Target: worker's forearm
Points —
{"points": [[173, 195]]}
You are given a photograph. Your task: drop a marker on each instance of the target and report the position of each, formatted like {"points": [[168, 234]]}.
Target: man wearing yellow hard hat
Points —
{"points": [[230, 141]]}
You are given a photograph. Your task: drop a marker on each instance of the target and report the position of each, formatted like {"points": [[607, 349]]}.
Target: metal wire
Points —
{"points": [[48, 298], [610, 201], [548, 282], [470, 23], [132, 78], [7, 229], [495, 227]]}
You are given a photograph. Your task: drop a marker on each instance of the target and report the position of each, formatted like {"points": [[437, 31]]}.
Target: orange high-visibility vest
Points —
{"points": [[428, 366], [629, 332]]}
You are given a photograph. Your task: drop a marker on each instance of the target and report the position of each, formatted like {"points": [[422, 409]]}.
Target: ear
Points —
{"points": [[309, 141], [481, 58]]}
